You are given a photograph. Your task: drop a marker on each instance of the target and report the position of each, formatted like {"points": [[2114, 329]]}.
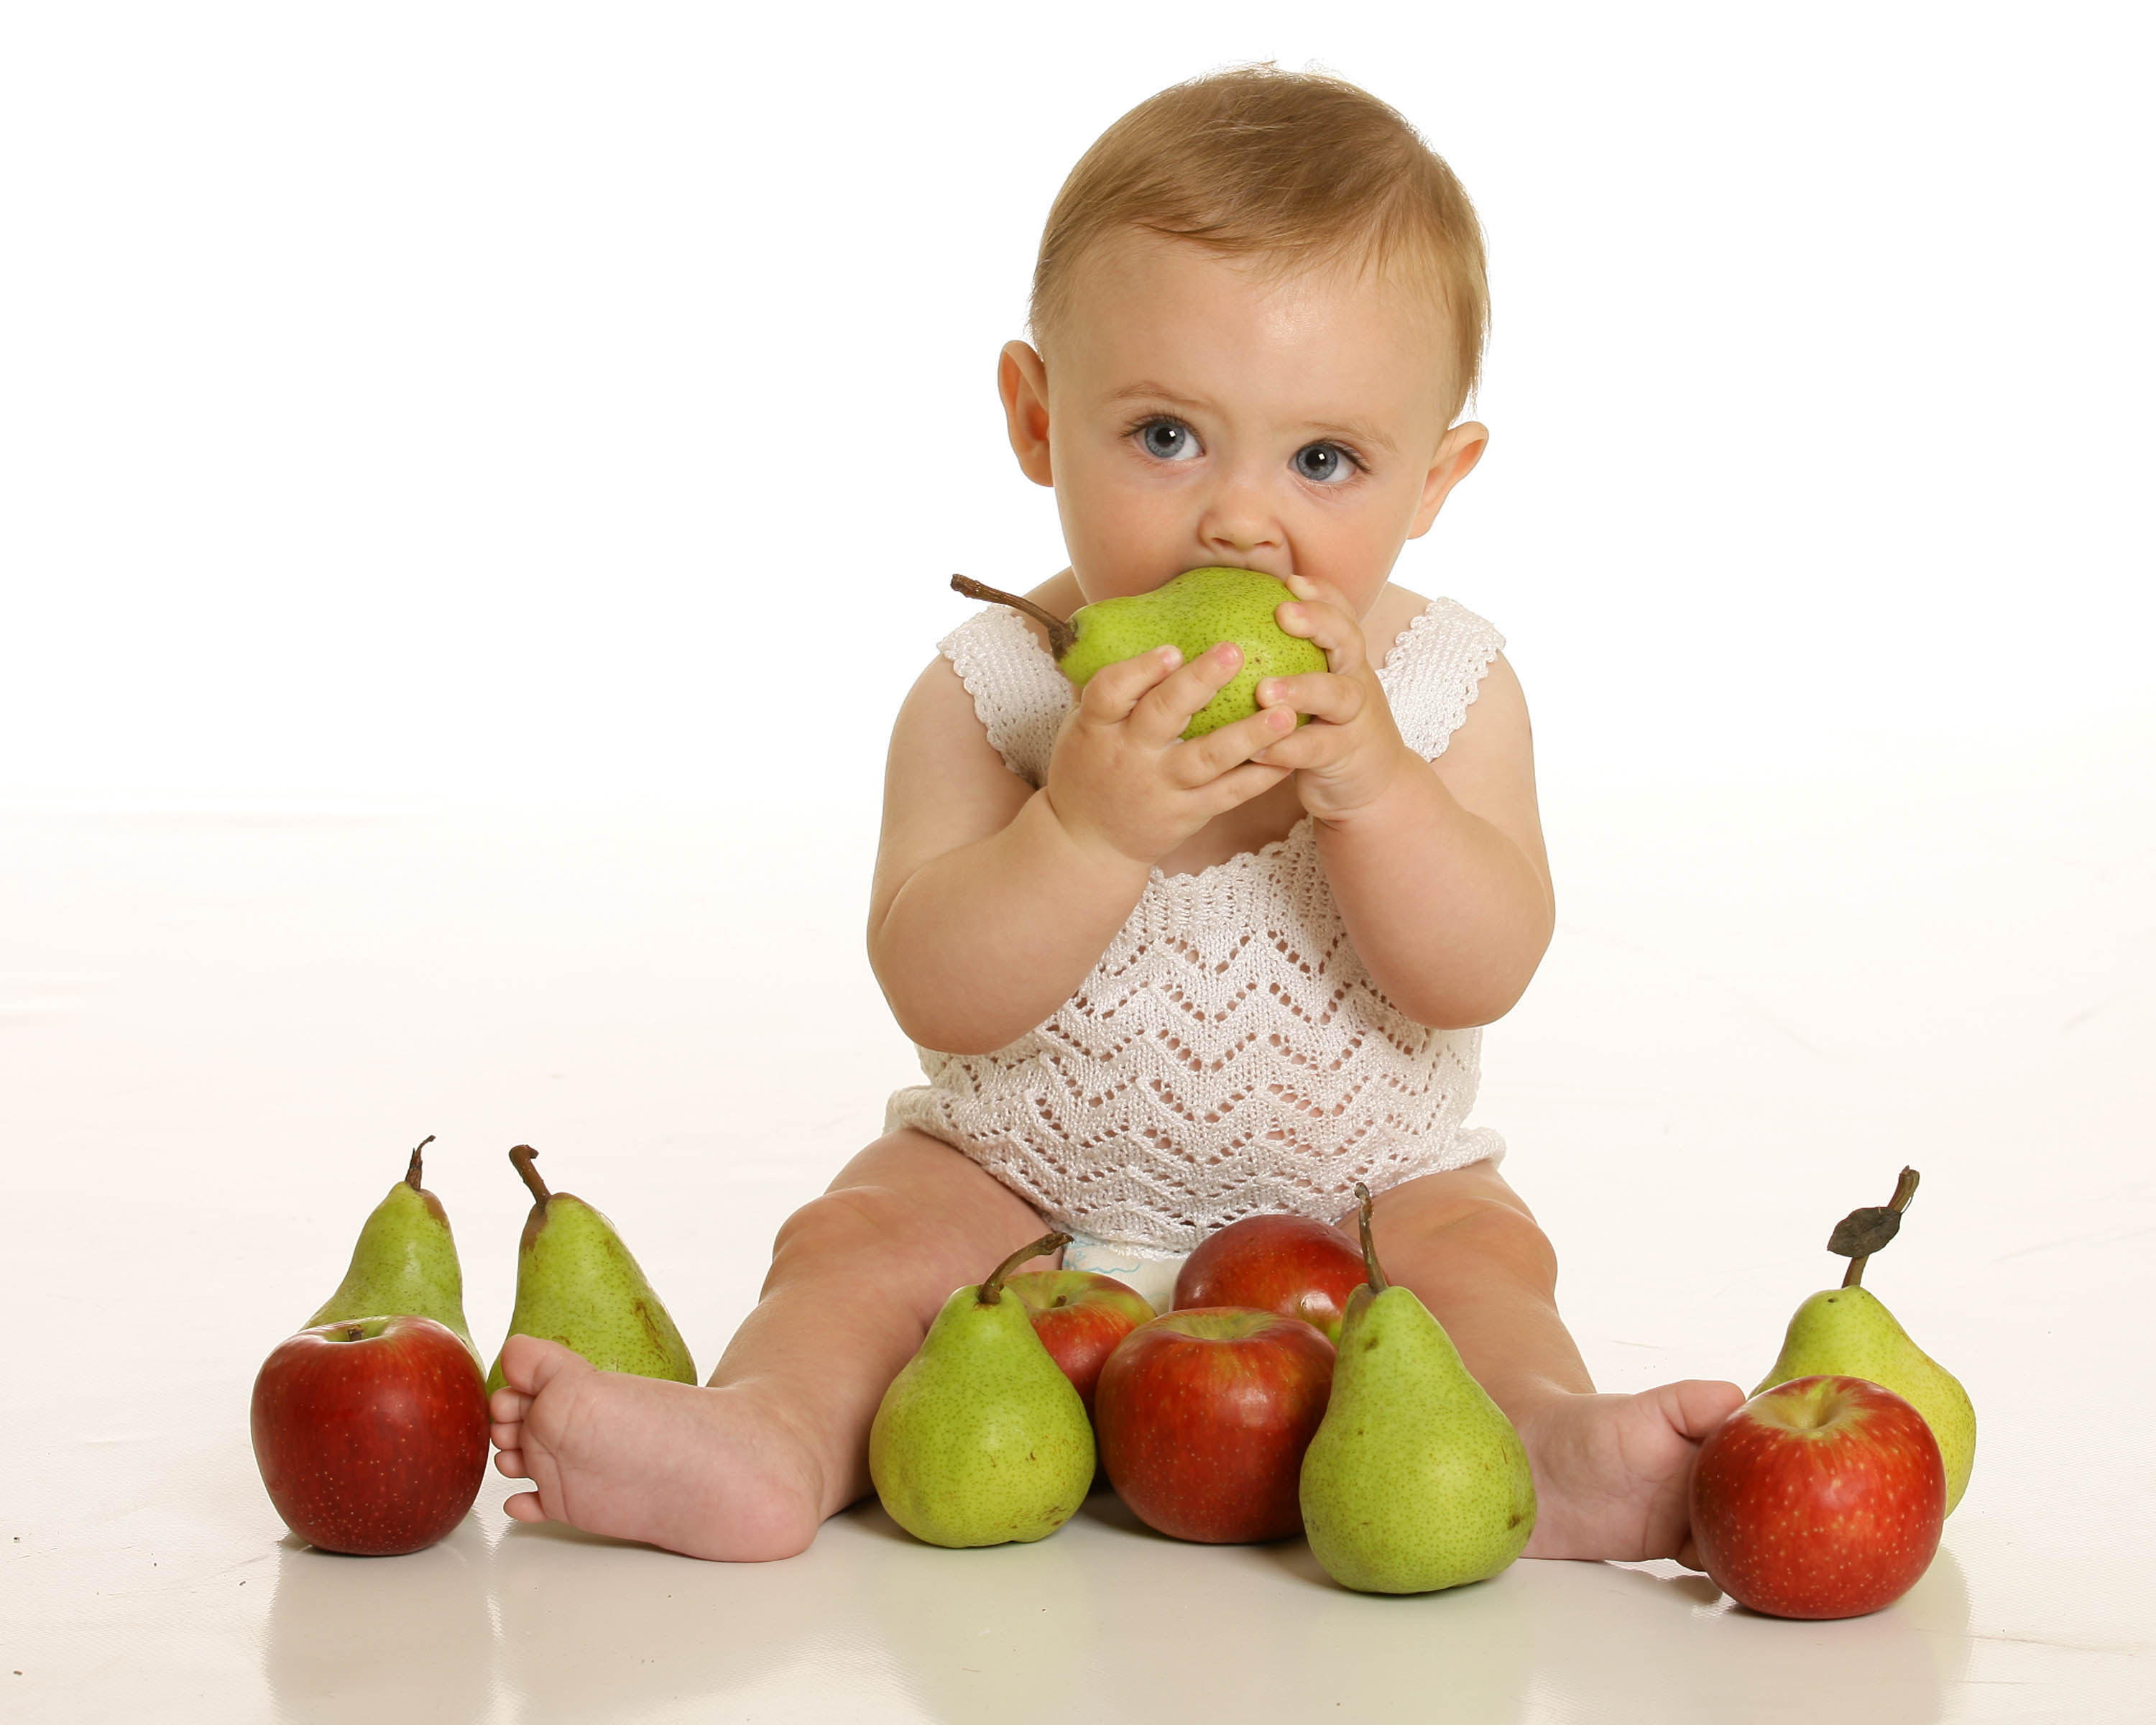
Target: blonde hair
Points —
{"points": [[1289, 169]]}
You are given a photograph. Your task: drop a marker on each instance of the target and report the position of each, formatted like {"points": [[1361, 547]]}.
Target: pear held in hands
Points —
{"points": [[1416, 1480], [404, 1263], [980, 1438], [1846, 1332], [578, 1285], [1198, 610]]}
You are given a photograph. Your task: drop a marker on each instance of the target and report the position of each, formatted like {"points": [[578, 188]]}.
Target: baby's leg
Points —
{"points": [[749, 1466], [1612, 1472]]}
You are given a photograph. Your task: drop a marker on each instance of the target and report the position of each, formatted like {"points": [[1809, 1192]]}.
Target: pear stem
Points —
{"points": [[992, 1290], [411, 1168], [1377, 1282], [521, 1156], [1905, 1189], [1061, 637]]}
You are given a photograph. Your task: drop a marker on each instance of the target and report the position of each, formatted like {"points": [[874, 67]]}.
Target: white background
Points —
{"points": [[475, 484], [554, 401]]}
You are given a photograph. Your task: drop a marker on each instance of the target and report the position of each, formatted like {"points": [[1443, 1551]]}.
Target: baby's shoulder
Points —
{"points": [[1439, 661], [992, 694], [941, 741]]}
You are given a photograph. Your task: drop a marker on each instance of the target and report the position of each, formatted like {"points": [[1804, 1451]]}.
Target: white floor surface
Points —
{"points": [[221, 1030]]}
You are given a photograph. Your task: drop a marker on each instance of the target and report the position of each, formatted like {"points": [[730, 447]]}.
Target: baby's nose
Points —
{"points": [[1239, 518]]}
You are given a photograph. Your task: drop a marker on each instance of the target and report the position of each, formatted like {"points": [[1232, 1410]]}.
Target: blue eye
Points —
{"points": [[1324, 464], [1167, 439]]}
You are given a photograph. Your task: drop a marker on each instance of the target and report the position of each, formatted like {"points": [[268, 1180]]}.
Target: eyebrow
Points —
{"points": [[1353, 429]]}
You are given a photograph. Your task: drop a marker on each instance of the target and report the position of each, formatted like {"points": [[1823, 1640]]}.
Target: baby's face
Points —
{"points": [[1198, 415]]}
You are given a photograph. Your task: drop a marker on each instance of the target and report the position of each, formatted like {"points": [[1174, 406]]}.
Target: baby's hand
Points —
{"points": [[1351, 753], [1121, 777]]}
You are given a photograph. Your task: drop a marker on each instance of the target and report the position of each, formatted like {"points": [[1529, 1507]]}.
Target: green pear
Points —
{"points": [[404, 1262], [578, 1285], [1847, 1333], [1199, 609], [980, 1438], [1415, 1480]]}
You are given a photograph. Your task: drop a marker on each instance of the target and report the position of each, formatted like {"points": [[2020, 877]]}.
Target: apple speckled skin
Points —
{"points": [[1818, 1498], [1847, 1333], [576, 1284], [1199, 609], [1295, 1266], [980, 1439], [371, 1433], [1416, 1480]]}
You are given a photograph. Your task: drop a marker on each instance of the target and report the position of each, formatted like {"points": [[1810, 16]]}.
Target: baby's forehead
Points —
{"points": [[1140, 295], [1109, 280]]}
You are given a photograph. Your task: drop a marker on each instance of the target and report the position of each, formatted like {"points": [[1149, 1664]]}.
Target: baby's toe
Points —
{"points": [[1699, 1404], [525, 1507], [529, 1364]]}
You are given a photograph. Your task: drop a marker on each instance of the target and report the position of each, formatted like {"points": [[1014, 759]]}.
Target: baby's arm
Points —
{"points": [[992, 899], [1438, 867]]}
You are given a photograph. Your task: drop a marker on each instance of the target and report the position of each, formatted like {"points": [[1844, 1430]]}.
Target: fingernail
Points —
{"points": [[1171, 656], [1279, 718], [1268, 691]]}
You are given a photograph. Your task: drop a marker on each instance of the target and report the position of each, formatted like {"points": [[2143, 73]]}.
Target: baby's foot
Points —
{"points": [[714, 1473], [1613, 1473]]}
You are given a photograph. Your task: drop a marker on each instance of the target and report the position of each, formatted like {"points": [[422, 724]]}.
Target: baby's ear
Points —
{"points": [[1457, 452], [1022, 381]]}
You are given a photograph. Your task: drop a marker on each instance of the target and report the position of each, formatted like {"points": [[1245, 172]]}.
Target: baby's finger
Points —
{"points": [[1239, 784], [1312, 746], [1160, 716], [1113, 691], [1311, 590], [1322, 695], [1326, 626], [1207, 757]]}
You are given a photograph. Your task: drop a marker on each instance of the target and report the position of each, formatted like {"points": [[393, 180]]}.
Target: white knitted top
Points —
{"points": [[1229, 1055]]}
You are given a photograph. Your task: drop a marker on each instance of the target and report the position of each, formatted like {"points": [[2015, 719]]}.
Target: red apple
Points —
{"points": [[371, 1434], [1290, 1265], [1203, 1417], [1820, 1497], [1080, 1316]]}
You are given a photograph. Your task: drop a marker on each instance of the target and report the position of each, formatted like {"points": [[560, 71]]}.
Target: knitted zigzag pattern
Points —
{"points": [[1229, 1055]]}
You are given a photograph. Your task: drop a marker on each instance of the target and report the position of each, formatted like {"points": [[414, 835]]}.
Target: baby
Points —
{"points": [[1159, 985]]}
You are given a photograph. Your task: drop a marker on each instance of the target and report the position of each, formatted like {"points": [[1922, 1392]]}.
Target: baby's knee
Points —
{"points": [[841, 1223], [911, 1196], [1489, 1229]]}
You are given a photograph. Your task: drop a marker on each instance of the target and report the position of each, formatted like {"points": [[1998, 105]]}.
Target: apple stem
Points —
{"points": [[1061, 637], [992, 1290], [1377, 1282], [521, 1156], [1905, 1189], [411, 1168]]}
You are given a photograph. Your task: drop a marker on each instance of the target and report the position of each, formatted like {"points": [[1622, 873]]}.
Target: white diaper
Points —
{"points": [[1151, 1275]]}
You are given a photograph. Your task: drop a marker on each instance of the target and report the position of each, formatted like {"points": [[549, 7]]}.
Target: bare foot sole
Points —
{"points": [[712, 1473], [1613, 1473]]}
